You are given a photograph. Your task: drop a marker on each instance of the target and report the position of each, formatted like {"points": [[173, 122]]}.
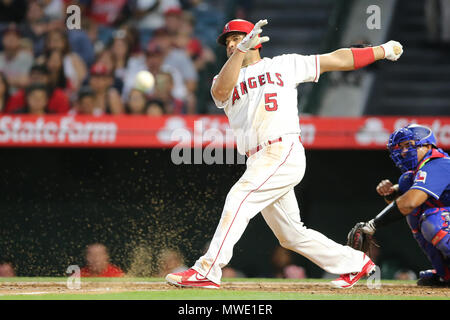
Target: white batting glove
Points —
{"points": [[369, 227], [251, 40], [392, 50]]}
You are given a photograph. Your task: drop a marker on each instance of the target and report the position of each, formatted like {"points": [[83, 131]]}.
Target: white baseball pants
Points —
{"points": [[267, 186]]}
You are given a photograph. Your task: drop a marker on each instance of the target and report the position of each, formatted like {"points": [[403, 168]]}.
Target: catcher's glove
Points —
{"points": [[361, 238]]}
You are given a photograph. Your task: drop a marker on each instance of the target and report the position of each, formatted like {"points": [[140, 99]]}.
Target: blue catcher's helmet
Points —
{"points": [[407, 160]]}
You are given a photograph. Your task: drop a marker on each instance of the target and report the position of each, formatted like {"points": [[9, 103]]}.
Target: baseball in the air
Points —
{"points": [[145, 81]]}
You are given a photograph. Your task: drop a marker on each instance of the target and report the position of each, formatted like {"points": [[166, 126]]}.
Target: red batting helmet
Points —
{"points": [[236, 25]]}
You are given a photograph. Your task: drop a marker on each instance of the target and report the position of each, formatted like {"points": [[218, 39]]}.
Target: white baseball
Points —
{"points": [[144, 81]]}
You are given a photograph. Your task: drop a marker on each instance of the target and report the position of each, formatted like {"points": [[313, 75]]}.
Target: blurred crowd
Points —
{"points": [[47, 68], [282, 265]]}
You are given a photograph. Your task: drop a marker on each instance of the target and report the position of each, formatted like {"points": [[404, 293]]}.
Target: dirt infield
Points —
{"points": [[36, 288]]}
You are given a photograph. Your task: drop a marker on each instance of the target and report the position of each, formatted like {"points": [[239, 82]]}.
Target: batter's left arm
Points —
{"points": [[355, 58]]}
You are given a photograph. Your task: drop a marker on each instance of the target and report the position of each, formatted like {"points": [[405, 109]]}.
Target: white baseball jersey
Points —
{"points": [[263, 104]]}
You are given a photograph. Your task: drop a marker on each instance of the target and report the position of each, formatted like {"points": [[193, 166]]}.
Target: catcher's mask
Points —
{"points": [[236, 25], [406, 158]]}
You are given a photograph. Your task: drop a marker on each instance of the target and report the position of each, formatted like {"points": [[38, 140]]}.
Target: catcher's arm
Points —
{"points": [[354, 58], [396, 210]]}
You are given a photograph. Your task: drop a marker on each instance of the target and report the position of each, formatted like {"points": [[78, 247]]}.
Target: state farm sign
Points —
{"points": [[62, 130], [198, 131]]}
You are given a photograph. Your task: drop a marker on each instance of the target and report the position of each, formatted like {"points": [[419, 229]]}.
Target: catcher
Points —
{"points": [[422, 195]]}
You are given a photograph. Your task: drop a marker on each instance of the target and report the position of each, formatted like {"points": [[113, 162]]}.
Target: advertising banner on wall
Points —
{"points": [[198, 131]]}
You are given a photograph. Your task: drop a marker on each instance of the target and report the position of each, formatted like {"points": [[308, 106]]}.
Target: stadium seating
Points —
{"points": [[420, 84]]}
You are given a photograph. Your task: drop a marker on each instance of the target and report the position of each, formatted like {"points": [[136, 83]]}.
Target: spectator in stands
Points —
{"points": [[35, 27], [173, 20], [15, 62], [98, 264], [4, 93], [153, 61], [107, 13], [121, 51], [36, 100], [136, 103], [107, 98], [154, 108], [106, 58], [7, 269], [163, 94], [12, 11], [150, 13], [133, 37], [85, 103], [92, 32], [201, 55], [170, 260], [74, 67], [54, 62], [53, 9], [39, 74], [283, 266], [179, 60], [81, 44]]}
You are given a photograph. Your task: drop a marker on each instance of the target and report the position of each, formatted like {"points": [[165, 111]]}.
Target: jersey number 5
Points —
{"points": [[271, 101]]}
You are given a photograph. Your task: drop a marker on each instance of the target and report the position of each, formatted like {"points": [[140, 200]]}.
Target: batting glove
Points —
{"points": [[251, 40], [369, 227], [392, 50]]}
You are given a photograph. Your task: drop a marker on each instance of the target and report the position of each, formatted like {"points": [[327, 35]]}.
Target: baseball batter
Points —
{"points": [[259, 97]]}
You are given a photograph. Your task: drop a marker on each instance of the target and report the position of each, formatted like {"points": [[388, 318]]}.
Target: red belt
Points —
{"points": [[255, 150]]}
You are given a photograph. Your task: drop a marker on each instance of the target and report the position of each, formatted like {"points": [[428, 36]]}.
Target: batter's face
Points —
{"points": [[232, 41]]}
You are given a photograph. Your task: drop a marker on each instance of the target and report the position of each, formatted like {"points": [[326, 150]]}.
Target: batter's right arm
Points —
{"points": [[228, 76]]}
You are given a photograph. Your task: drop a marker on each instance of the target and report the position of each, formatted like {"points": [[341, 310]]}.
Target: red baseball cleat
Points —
{"points": [[190, 278], [348, 280]]}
